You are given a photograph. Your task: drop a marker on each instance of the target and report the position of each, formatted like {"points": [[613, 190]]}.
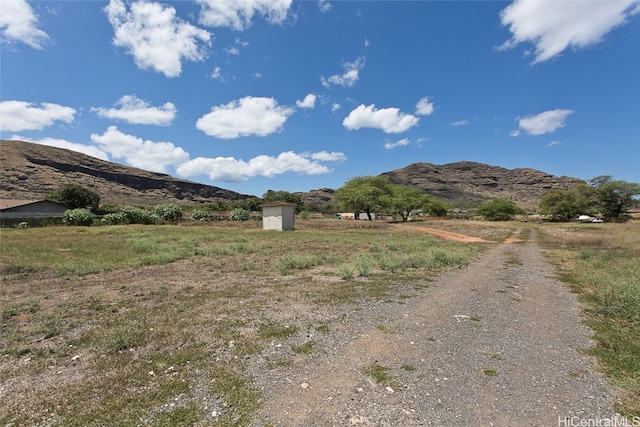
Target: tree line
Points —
{"points": [[601, 196]]}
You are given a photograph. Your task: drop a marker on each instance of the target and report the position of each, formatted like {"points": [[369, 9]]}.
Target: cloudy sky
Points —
{"points": [[252, 95]]}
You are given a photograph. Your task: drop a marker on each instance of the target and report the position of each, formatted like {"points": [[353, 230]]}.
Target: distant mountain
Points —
{"points": [[465, 184], [30, 171]]}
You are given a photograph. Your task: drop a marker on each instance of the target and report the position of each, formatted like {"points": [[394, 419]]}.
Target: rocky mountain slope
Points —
{"points": [[30, 171], [465, 184]]}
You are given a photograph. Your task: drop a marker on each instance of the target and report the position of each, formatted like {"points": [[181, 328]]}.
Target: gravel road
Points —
{"points": [[497, 343]]}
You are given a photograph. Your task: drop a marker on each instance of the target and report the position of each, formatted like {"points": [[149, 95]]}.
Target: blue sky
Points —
{"points": [[252, 95]]}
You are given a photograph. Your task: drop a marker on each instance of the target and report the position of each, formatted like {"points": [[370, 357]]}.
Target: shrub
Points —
{"points": [[498, 210], [200, 215], [167, 211], [77, 217], [239, 214], [130, 215]]}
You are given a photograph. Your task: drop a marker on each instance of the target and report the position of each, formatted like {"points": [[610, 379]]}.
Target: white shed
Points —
{"points": [[278, 216]]}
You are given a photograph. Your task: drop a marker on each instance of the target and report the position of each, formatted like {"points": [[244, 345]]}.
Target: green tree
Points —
{"points": [[251, 204], [404, 200], [498, 210], [75, 196], [563, 205], [283, 196], [614, 198], [435, 207], [367, 194]]}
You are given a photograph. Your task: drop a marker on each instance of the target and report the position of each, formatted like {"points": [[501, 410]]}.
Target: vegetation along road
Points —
{"points": [[337, 323]]}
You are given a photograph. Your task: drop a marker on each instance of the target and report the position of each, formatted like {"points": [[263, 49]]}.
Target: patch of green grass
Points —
{"points": [[275, 331], [240, 398], [489, 372], [306, 348], [385, 329], [289, 262], [380, 374], [323, 328], [119, 336], [346, 271], [408, 368]]}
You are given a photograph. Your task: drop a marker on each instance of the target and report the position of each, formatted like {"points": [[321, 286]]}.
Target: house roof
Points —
{"points": [[12, 203]]}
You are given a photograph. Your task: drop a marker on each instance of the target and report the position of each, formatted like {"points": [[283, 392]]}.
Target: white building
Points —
{"points": [[278, 216]]}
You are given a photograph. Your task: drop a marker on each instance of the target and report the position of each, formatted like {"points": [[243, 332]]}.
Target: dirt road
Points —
{"points": [[494, 344]]}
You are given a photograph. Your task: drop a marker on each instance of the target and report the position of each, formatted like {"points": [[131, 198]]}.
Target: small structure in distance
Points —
{"points": [[278, 216]]}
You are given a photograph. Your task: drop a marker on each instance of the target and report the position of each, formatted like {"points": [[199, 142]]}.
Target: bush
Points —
{"points": [[304, 215], [239, 214], [130, 215], [498, 210], [77, 217], [167, 211], [200, 215]]}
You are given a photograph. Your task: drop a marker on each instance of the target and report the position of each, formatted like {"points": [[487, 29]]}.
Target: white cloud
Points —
{"points": [[309, 101], [137, 111], [400, 143], [424, 107], [390, 120], [552, 143], [148, 155], [89, 150], [230, 169], [155, 37], [244, 117], [324, 6], [19, 23], [543, 123], [463, 122], [553, 26], [238, 14], [17, 116], [325, 156], [348, 78], [215, 74]]}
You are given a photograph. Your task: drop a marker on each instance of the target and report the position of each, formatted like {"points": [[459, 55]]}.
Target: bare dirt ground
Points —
{"points": [[443, 234], [494, 344]]}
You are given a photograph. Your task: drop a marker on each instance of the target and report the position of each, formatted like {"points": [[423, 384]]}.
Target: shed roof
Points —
{"points": [[278, 203]]}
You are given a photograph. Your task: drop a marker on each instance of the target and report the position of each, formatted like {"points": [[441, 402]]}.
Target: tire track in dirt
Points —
{"points": [[444, 234], [497, 343]]}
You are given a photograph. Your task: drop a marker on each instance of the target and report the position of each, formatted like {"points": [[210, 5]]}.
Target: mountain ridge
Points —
{"points": [[30, 171]]}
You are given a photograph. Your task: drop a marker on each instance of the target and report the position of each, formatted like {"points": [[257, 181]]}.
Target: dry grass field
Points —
{"points": [[155, 325]]}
